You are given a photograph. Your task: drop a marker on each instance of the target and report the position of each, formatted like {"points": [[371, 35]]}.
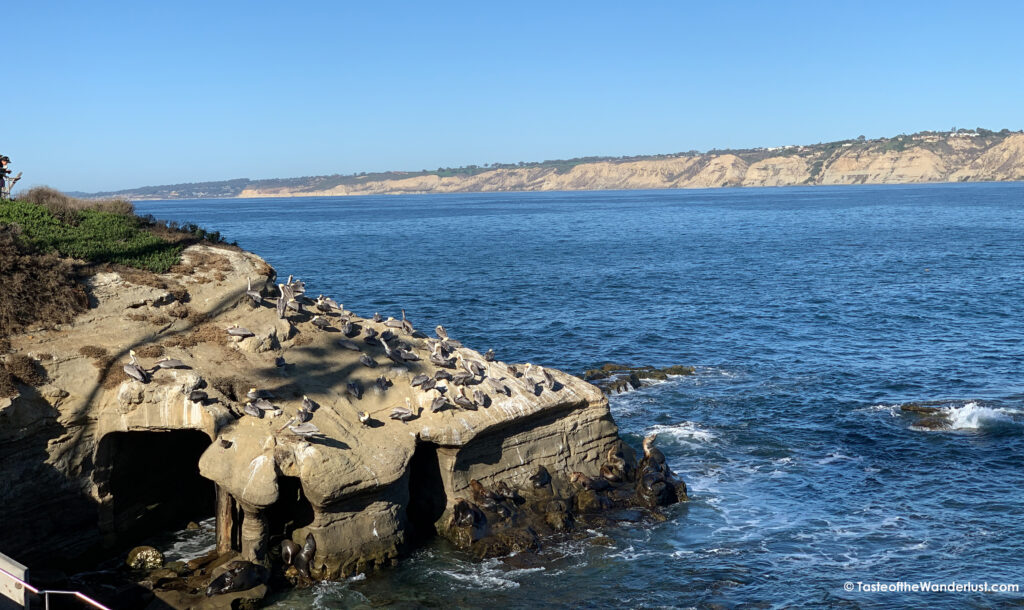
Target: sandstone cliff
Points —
{"points": [[93, 459]]}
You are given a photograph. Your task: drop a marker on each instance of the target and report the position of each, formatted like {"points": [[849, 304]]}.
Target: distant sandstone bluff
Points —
{"points": [[94, 458], [956, 157]]}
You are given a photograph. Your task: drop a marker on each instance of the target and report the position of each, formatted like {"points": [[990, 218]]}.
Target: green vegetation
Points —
{"points": [[91, 235]]}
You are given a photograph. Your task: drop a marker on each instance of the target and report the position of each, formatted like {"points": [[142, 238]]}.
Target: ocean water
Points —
{"points": [[811, 315]]}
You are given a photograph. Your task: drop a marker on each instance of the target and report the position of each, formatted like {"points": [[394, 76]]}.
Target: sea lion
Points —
{"points": [[654, 459], [239, 576], [615, 469], [289, 551], [586, 482], [302, 559], [486, 499], [466, 514], [541, 478]]}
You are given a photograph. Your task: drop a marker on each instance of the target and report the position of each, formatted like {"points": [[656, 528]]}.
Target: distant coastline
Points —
{"points": [[977, 155]]}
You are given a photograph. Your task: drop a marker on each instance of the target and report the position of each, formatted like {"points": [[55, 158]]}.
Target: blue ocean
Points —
{"points": [[855, 426]]}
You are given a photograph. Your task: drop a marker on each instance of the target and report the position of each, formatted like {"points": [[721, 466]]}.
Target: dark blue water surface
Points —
{"points": [[811, 314]]}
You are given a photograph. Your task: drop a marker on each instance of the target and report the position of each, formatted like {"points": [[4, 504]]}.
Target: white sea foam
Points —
{"points": [[685, 432], [971, 416]]}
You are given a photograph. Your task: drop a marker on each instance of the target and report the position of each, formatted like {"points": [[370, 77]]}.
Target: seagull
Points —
{"points": [[255, 295]]}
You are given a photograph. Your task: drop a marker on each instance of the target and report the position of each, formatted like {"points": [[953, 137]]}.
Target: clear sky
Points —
{"points": [[109, 95]]}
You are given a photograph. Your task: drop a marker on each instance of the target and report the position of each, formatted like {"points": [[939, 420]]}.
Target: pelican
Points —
{"points": [[197, 396], [305, 430], [462, 401], [364, 418], [355, 389], [393, 323], [441, 332], [549, 379], [406, 324], [240, 331], [403, 414], [133, 369], [429, 384], [377, 317], [349, 329], [418, 379], [328, 301], [471, 367], [279, 361], [308, 404], [387, 335], [367, 361], [407, 355], [351, 345], [321, 322], [265, 405], [498, 385], [462, 378], [381, 383], [481, 399], [439, 402], [255, 295], [297, 286], [287, 295], [371, 333], [442, 374], [251, 409], [489, 356], [169, 363]]}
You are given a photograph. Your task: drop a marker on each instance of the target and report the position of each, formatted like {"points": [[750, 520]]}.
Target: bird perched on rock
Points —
{"points": [[442, 375], [350, 345], [393, 323], [134, 370], [377, 317], [354, 388], [305, 430], [253, 410], [169, 363], [489, 356], [418, 379], [320, 322], [406, 324], [381, 384], [403, 414], [255, 295], [461, 400], [441, 332], [350, 329], [438, 403], [240, 331], [367, 361], [481, 399]]}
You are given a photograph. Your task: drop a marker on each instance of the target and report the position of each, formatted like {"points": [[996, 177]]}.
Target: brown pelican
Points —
{"points": [[364, 417], [418, 379], [286, 296], [441, 332], [407, 355], [297, 286], [304, 430], [489, 356], [393, 323], [239, 331], [345, 343], [321, 322], [367, 361], [403, 414], [265, 405], [515, 371], [474, 368], [462, 401], [381, 384], [439, 402], [371, 333], [197, 396], [134, 370], [549, 379], [442, 374], [392, 353], [255, 295], [308, 404], [498, 385], [251, 409], [440, 358], [462, 378], [279, 361], [354, 388], [406, 324], [349, 329], [377, 317], [387, 335], [170, 363], [481, 399]]}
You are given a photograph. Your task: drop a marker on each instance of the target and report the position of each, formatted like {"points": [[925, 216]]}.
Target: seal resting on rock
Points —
{"points": [[592, 483], [239, 576], [466, 514], [541, 478], [615, 469]]}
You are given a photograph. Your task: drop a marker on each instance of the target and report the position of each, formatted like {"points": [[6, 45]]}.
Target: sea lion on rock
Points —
{"points": [[239, 576], [586, 482], [541, 478], [615, 469], [466, 514], [486, 499], [289, 551]]}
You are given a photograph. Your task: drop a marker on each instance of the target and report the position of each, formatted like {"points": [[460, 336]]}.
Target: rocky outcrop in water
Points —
{"points": [[182, 395]]}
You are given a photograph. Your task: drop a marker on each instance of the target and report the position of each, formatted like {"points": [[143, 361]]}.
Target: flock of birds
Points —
{"points": [[461, 380]]}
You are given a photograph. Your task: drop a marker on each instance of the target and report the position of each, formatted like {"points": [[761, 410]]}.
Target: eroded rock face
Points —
{"points": [[309, 425]]}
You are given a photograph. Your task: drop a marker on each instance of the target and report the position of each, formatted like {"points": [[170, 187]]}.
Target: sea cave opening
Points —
{"points": [[153, 482], [290, 512], [427, 498]]}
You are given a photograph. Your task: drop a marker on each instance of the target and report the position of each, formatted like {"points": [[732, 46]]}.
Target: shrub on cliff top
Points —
{"points": [[36, 288], [66, 208], [94, 236]]}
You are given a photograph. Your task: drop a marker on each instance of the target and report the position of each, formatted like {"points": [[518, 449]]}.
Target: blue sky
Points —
{"points": [[109, 95]]}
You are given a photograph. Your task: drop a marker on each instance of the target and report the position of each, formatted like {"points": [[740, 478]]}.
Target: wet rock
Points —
{"points": [[144, 558]]}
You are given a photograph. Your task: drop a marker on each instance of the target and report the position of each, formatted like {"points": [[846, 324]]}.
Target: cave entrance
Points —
{"points": [[427, 498], [153, 481], [290, 512]]}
